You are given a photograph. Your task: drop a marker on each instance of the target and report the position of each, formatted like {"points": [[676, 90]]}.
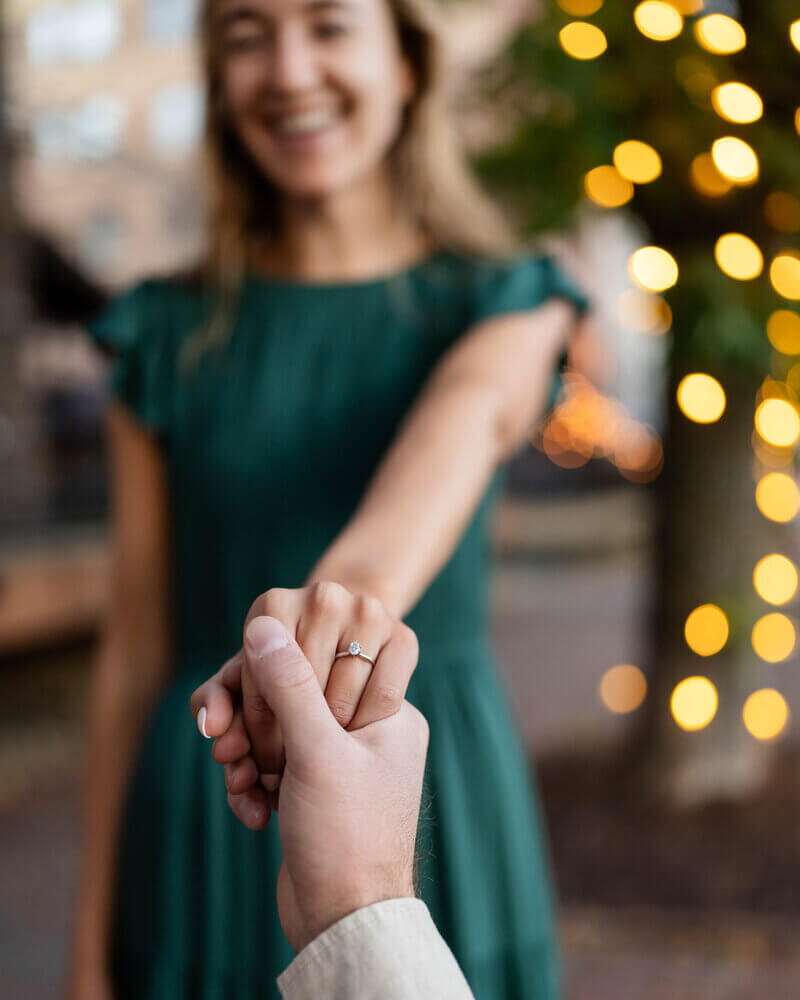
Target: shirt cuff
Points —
{"points": [[390, 950]]}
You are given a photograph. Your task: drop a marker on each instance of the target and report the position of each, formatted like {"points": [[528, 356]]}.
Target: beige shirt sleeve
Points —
{"points": [[388, 951]]}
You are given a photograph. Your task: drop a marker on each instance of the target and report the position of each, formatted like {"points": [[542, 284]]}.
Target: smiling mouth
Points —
{"points": [[304, 123]]}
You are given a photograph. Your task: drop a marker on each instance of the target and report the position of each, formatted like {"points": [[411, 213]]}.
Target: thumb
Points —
{"points": [[288, 684]]}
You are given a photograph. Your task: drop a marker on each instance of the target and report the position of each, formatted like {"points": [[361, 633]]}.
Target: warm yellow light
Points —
{"points": [[580, 8], [637, 161], [778, 497], [706, 178], [582, 40], [775, 579], [694, 703], [658, 21], [777, 422], [784, 273], [606, 187], [794, 34], [654, 269], [720, 34], [737, 102], [738, 256], [706, 630], [687, 7], [701, 398], [623, 688], [783, 330], [797, 120], [782, 211], [644, 312], [765, 714], [773, 637], [735, 159]]}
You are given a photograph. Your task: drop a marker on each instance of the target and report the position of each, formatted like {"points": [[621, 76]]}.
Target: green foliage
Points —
{"points": [[567, 116]]}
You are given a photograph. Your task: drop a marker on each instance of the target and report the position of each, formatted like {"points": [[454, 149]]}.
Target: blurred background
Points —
{"points": [[644, 592]]}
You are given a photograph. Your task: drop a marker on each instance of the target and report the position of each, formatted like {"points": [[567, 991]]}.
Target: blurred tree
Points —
{"points": [[562, 117]]}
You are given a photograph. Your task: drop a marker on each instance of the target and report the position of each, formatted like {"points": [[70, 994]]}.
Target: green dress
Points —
{"points": [[269, 444]]}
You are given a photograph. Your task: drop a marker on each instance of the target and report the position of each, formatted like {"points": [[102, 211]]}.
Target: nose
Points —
{"points": [[293, 60]]}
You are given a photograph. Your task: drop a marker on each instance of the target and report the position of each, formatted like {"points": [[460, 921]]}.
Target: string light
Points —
{"points": [[737, 102], [580, 8], [644, 312], [794, 34], [765, 714], [720, 34], [783, 330], [653, 268], [606, 187], [777, 497], [706, 630], [706, 178], [735, 159], [738, 256], [701, 398], [623, 688], [775, 579], [637, 161], [784, 273], [657, 20], [773, 637], [582, 40], [694, 703], [777, 422]]}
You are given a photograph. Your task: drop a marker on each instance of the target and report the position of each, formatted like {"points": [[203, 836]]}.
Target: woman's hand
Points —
{"points": [[324, 618]]}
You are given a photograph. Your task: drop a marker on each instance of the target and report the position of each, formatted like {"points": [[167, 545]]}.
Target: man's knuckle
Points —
{"points": [[342, 709], [369, 610], [327, 596]]}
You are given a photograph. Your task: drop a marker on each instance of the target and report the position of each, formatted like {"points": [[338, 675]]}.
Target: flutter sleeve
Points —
{"points": [[524, 283], [131, 328]]}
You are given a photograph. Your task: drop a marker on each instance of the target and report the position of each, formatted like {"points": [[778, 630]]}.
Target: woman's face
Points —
{"points": [[313, 88]]}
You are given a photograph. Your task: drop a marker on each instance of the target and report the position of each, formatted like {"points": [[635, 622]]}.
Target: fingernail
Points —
{"points": [[270, 782], [264, 635], [201, 722]]}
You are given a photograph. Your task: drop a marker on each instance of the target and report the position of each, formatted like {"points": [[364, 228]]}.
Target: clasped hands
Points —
{"points": [[323, 618]]}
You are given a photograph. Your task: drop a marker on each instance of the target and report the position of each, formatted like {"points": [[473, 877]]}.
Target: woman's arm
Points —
{"points": [[475, 411], [132, 665]]}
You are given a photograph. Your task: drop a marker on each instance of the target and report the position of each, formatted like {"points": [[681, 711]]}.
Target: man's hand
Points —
{"points": [[349, 801]]}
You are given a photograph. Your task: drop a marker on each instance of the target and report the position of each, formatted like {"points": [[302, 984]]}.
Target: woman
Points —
{"points": [[332, 400]]}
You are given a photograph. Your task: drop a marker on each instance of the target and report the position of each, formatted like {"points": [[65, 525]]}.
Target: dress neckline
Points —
{"points": [[257, 278]]}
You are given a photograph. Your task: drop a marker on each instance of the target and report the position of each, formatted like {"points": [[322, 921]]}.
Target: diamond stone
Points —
{"points": [[355, 648]]}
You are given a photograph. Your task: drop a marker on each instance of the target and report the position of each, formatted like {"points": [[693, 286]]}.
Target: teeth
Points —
{"points": [[306, 121]]}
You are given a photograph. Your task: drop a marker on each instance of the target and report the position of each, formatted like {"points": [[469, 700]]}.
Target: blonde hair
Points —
{"points": [[429, 171]]}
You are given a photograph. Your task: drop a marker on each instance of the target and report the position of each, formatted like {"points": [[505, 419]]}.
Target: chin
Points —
{"points": [[313, 181]]}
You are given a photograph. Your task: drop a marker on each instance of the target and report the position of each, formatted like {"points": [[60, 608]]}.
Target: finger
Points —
{"points": [[319, 628], [234, 742], [212, 705], [270, 782], [387, 684], [232, 673], [285, 680], [371, 627], [241, 775], [251, 808]]}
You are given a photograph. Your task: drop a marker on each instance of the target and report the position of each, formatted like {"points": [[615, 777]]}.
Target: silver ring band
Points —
{"points": [[354, 649]]}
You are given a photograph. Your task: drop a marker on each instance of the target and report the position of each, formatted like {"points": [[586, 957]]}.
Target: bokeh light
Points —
{"points": [[775, 579], [657, 20], [582, 40], [606, 187], [773, 637], [777, 497], [706, 630], [694, 703], [688, 7], [738, 256], [580, 8], [637, 161], [765, 714], [701, 398], [644, 312], [783, 330], [735, 159], [782, 211], [706, 178], [737, 102], [797, 121], [623, 688], [653, 268], [784, 273], [720, 34], [794, 34], [777, 422]]}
